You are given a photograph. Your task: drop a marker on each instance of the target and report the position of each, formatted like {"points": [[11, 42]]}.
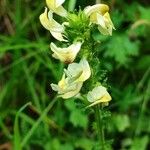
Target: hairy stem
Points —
{"points": [[99, 121]]}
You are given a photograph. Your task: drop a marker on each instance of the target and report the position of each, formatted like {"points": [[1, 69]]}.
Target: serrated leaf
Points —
{"points": [[56, 144], [121, 49], [77, 118]]}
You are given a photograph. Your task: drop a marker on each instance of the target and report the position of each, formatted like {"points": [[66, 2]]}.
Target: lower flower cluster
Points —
{"points": [[76, 73]]}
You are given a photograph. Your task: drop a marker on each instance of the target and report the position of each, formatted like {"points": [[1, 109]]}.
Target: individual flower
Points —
{"points": [[67, 89], [50, 24], [98, 95], [72, 79], [68, 54], [79, 72], [99, 15], [55, 6], [98, 8], [105, 24]]}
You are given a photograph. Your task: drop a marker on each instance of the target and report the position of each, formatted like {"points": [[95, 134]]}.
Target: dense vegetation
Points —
{"points": [[32, 117]]}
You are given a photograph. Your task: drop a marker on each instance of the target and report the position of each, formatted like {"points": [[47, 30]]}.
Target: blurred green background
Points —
{"points": [[27, 69]]}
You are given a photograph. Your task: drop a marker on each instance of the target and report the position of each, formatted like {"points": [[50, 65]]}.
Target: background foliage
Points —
{"points": [[27, 69]]}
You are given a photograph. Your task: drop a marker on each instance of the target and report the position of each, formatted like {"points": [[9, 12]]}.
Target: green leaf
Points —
{"points": [[144, 13], [130, 13], [122, 122], [67, 146], [77, 116], [121, 49], [85, 144], [78, 119], [140, 143]]}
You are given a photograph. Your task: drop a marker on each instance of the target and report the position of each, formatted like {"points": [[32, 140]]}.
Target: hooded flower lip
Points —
{"points": [[79, 72], [55, 6], [98, 8], [105, 25], [68, 54], [50, 24], [99, 15], [98, 95], [67, 89]]}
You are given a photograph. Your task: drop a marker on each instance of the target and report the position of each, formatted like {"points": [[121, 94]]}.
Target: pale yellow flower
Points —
{"points": [[55, 6], [105, 25], [98, 8], [79, 72], [99, 15], [98, 95], [68, 54], [50, 24], [67, 89], [76, 74]]}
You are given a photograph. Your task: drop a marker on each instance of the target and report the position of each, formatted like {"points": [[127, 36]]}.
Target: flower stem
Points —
{"points": [[99, 121]]}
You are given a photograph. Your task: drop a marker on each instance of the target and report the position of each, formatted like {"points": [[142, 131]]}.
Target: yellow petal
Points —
{"points": [[61, 11], [44, 20], [66, 89], [55, 6], [50, 24], [59, 2], [108, 20], [98, 95], [66, 54], [58, 36], [62, 82], [99, 15], [79, 72], [54, 3], [86, 70], [73, 92], [98, 8], [104, 30], [105, 25], [105, 99]]}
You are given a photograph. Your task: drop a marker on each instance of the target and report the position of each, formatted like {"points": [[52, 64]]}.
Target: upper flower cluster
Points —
{"points": [[76, 73], [99, 15]]}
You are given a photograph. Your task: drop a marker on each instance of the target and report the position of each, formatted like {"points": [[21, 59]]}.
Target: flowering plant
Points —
{"points": [[77, 50]]}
